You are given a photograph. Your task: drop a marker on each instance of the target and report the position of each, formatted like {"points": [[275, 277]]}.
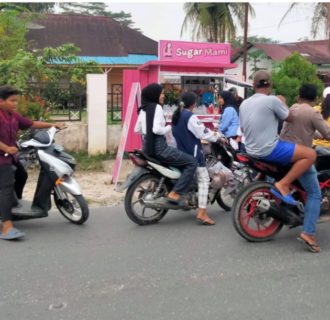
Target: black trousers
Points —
{"points": [[7, 199], [20, 179]]}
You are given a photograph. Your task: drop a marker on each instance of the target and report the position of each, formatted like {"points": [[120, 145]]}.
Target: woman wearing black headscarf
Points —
{"points": [[153, 126]]}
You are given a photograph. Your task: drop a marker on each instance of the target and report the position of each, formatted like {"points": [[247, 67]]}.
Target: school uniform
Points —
{"points": [[188, 132]]}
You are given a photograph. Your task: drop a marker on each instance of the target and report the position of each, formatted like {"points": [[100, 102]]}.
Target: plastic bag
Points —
{"points": [[219, 175]]}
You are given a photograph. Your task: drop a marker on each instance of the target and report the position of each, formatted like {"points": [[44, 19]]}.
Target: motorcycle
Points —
{"points": [[258, 215], [151, 180], [55, 179], [241, 173]]}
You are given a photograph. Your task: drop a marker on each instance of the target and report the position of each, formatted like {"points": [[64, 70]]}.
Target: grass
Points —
{"points": [[86, 162], [91, 163]]}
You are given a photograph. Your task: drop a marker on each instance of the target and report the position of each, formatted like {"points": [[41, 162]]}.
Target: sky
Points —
{"points": [[162, 21]]}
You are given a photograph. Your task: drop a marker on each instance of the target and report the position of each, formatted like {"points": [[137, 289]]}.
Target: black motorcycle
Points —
{"points": [[258, 215], [151, 180]]}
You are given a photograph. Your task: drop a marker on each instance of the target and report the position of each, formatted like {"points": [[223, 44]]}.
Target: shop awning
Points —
{"points": [[238, 82], [184, 67]]}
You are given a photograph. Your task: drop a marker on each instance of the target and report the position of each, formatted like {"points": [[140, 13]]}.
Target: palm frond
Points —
{"points": [[294, 4], [319, 18]]}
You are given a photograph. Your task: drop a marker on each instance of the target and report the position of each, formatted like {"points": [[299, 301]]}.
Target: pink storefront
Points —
{"points": [[188, 65]]}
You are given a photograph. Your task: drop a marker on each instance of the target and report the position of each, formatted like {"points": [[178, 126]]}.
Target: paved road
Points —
{"points": [[112, 269]]}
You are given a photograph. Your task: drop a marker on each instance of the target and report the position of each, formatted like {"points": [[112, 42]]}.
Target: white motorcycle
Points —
{"points": [[55, 179]]}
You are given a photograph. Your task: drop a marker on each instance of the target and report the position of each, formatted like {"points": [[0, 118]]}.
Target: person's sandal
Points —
{"points": [[12, 234], [312, 247], [287, 199], [206, 221]]}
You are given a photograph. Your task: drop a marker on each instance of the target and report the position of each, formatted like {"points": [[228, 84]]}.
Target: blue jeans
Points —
{"points": [[313, 203]]}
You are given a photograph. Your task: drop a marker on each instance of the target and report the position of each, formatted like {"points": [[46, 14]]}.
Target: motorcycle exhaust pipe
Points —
{"points": [[154, 205], [280, 213]]}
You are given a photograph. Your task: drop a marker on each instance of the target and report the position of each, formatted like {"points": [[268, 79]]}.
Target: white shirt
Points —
{"points": [[198, 129], [159, 126]]}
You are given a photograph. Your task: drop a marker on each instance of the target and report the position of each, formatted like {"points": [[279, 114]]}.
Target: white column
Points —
{"points": [[97, 113]]}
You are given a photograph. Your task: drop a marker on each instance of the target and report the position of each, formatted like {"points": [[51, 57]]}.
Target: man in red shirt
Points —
{"points": [[10, 123]]}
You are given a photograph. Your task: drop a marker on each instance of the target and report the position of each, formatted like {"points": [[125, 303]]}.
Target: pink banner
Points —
{"points": [[205, 52]]}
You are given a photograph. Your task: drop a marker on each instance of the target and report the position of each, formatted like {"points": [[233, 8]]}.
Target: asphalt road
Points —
{"points": [[110, 268]]}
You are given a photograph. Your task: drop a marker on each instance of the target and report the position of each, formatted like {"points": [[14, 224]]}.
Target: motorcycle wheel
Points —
{"points": [[73, 207], [225, 201], [134, 204], [251, 223]]}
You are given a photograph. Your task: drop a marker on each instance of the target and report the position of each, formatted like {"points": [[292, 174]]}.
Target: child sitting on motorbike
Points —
{"points": [[10, 123], [151, 123], [188, 132]]}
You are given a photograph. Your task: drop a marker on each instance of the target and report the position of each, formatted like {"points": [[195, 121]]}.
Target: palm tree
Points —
{"points": [[321, 17], [214, 21]]}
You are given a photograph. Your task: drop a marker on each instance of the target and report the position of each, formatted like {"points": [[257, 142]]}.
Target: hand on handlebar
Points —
{"points": [[60, 126], [223, 140], [11, 150]]}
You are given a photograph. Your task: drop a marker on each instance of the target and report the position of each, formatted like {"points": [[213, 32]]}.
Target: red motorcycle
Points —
{"points": [[258, 215]]}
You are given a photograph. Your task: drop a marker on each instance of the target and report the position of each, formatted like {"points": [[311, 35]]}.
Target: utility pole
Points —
{"points": [[246, 14]]}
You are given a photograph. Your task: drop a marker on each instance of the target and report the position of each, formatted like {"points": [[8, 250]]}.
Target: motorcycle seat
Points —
{"points": [[145, 156], [272, 166]]}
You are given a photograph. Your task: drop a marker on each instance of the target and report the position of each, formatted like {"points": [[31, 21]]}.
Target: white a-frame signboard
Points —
{"points": [[134, 98]]}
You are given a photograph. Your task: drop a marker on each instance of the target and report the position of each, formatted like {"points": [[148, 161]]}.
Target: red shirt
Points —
{"points": [[10, 123]]}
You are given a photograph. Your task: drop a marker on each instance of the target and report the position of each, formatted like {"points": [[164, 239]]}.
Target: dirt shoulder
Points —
{"points": [[96, 185]]}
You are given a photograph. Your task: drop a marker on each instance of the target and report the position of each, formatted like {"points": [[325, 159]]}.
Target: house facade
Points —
{"points": [[101, 39]]}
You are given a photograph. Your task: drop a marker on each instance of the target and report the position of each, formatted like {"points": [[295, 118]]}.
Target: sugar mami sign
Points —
{"points": [[184, 51]]}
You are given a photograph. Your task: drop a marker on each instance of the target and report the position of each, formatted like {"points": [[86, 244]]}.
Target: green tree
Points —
{"points": [[84, 8], [46, 65], [256, 57], [39, 73], [97, 9], [214, 21], [291, 74], [41, 7], [45, 76], [12, 33], [238, 41]]}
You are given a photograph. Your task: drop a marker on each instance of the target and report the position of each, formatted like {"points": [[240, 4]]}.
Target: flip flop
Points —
{"points": [[312, 247], [287, 199], [206, 222], [12, 234]]}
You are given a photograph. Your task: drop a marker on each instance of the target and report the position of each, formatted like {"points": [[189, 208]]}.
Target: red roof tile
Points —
{"points": [[317, 52]]}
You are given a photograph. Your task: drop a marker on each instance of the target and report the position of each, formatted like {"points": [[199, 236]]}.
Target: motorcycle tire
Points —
{"points": [[254, 226], [225, 202], [73, 208], [142, 219]]}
